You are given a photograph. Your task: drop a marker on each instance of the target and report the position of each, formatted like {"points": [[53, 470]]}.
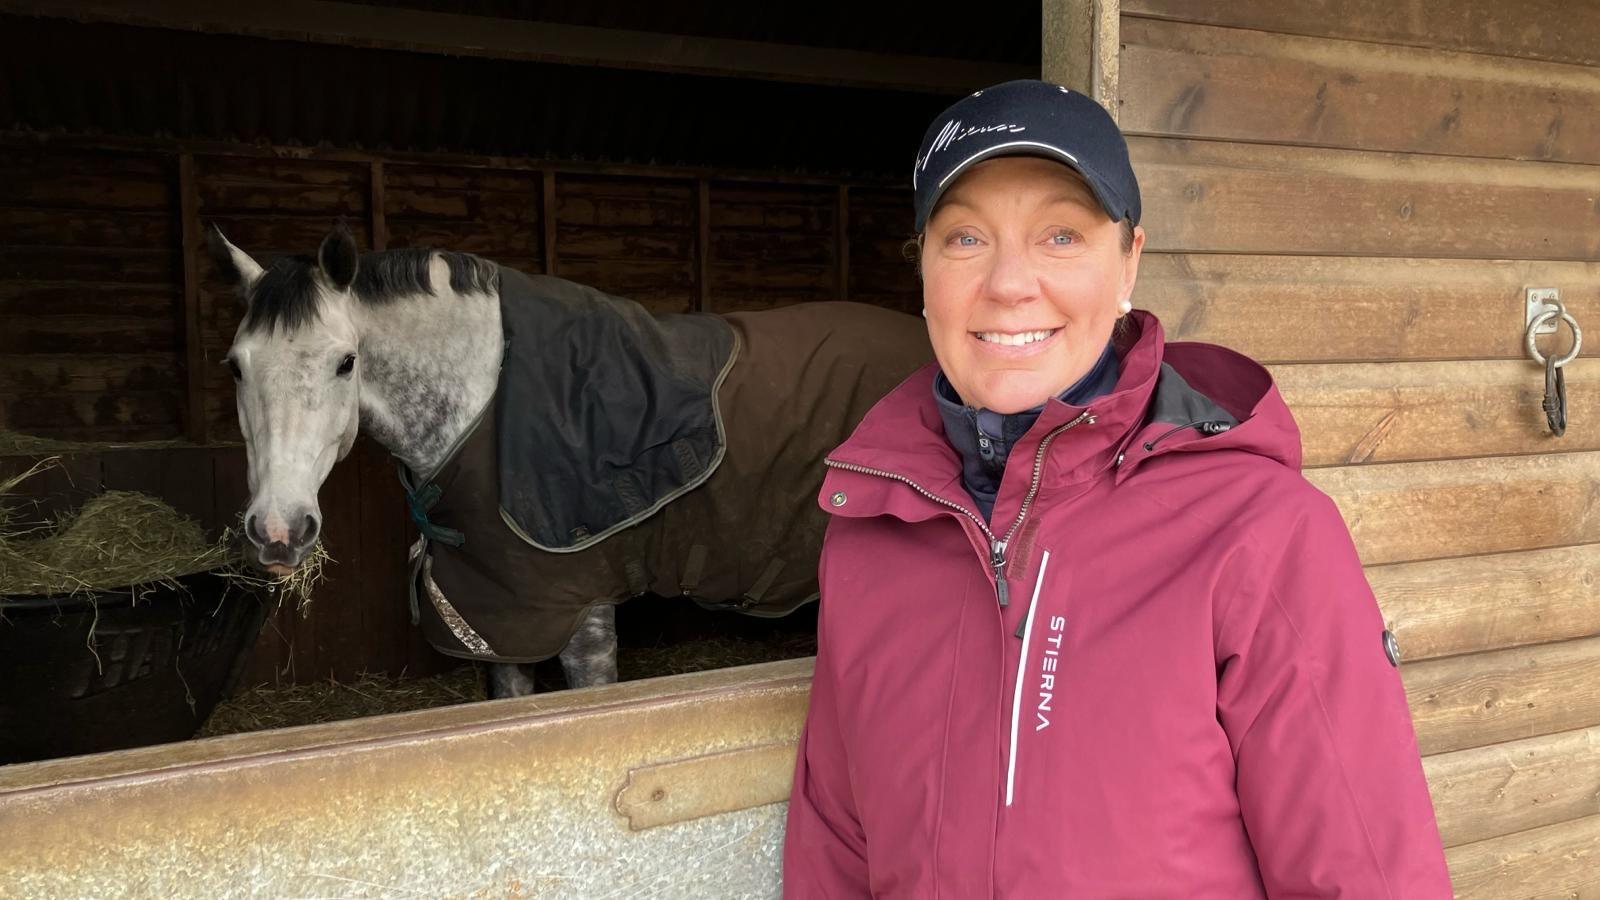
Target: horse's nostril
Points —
{"points": [[252, 530], [310, 533]]}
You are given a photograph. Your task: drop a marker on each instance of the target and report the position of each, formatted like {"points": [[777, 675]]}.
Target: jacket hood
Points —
{"points": [[1180, 397]]}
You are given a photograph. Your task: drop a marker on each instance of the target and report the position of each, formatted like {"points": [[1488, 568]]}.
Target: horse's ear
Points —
{"points": [[235, 265], [338, 257]]}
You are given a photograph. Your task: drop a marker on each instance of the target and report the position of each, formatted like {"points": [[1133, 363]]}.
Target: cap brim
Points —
{"points": [[1113, 205]]}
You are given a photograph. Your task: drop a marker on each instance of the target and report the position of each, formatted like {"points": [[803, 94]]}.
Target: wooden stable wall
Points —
{"points": [[113, 321], [1357, 193]]}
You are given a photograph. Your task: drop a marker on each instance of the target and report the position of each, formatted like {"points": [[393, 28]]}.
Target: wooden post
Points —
{"points": [[841, 237], [380, 225], [189, 216], [1081, 47], [702, 278], [547, 220]]}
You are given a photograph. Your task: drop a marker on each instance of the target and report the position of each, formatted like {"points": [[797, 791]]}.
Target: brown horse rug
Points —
{"points": [[628, 453]]}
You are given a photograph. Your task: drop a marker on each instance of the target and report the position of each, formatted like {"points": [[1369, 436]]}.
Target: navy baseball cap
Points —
{"points": [[1027, 118]]}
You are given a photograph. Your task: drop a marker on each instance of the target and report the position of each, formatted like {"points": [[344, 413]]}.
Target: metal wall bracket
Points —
{"points": [[1540, 300]]}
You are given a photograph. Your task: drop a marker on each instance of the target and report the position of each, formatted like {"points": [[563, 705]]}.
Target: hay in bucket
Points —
{"points": [[124, 540]]}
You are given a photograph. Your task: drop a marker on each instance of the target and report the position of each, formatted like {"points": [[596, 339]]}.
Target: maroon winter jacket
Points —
{"points": [[1185, 691]]}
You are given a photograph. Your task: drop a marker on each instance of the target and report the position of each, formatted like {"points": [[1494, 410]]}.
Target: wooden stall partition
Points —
{"points": [[1358, 194]]}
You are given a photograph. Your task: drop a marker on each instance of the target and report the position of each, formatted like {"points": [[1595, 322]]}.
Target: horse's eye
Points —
{"points": [[348, 364], [233, 366]]}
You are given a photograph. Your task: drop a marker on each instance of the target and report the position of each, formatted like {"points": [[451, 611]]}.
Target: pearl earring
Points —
{"points": [[924, 312], [1125, 307]]}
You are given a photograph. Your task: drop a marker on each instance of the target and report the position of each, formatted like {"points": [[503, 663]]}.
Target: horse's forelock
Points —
{"points": [[284, 297]]}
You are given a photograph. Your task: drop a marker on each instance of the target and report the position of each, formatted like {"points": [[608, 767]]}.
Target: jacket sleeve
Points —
{"points": [[1329, 779], [824, 847]]}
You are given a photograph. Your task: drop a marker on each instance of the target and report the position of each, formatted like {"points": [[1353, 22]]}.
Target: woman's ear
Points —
{"points": [[1130, 263], [338, 257]]}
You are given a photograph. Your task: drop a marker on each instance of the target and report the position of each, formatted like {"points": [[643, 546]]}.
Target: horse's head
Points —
{"points": [[297, 380]]}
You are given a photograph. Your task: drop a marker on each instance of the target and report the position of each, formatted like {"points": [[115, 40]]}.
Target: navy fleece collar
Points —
{"points": [[984, 438]]}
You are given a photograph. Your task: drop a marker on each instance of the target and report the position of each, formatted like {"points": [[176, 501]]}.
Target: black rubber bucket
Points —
{"points": [[108, 671]]}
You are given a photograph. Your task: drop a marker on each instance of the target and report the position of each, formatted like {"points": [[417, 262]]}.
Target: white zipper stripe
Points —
{"points": [[1022, 664]]}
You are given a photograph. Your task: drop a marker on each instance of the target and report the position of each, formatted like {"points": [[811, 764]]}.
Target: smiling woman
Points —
{"points": [[1085, 628]]}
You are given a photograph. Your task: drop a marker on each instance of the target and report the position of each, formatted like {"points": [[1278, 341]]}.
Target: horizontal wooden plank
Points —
{"points": [[1556, 862], [1485, 698], [270, 172], [465, 206], [110, 416], [20, 299], [81, 372], [497, 241], [1199, 81], [779, 247], [1390, 412], [1501, 789], [1399, 512], [572, 207], [88, 334], [224, 198], [138, 266], [1222, 197], [1534, 29], [460, 178], [1471, 604], [87, 228], [574, 241], [90, 187], [1364, 309]]}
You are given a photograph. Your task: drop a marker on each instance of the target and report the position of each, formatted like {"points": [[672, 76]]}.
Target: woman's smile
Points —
{"points": [[1015, 344]]}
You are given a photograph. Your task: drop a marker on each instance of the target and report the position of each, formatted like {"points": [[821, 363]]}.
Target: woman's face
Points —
{"points": [[1022, 273]]}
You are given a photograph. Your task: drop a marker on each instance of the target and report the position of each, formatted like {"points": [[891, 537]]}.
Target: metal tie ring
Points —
{"points": [[1551, 313]]}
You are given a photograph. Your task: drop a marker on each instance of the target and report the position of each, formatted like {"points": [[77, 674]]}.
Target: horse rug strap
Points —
{"points": [[604, 412]]}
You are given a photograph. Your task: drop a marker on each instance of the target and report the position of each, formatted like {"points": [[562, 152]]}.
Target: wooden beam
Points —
{"points": [[1081, 47], [702, 219], [189, 214], [359, 25], [1554, 861], [547, 220], [380, 225], [841, 236], [1488, 792]]}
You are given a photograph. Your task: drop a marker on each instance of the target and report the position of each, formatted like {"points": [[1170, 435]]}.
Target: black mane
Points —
{"points": [[285, 296]]}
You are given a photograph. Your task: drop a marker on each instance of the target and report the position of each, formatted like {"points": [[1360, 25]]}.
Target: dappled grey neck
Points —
{"points": [[429, 365]]}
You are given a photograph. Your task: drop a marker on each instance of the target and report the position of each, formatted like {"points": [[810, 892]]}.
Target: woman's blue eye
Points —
{"points": [[966, 240], [1062, 238]]}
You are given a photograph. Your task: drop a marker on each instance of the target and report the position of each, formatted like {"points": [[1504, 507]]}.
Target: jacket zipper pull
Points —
{"points": [[997, 561]]}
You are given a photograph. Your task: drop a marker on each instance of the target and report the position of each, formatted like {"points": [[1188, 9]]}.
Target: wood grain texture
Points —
{"points": [[1556, 862], [1533, 29], [1199, 81], [1472, 604], [1502, 695], [1221, 197], [1362, 309], [1400, 512], [1501, 789], [1390, 412]]}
